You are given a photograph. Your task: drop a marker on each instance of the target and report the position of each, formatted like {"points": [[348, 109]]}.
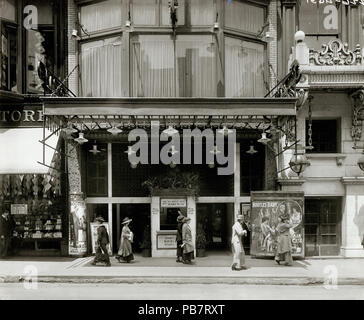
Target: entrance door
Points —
{"points": [[140, 226], [216, 220], [322, 226]]}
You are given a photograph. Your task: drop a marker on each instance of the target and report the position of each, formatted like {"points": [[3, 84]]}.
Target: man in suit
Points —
{"points": [[6, 230], [102, 241], [237, 244]]}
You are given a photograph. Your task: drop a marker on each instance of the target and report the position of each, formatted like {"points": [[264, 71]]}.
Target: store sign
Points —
{"points": [[29, 116], [266, 208], [166, 241], [19, 209], [173, 203]]}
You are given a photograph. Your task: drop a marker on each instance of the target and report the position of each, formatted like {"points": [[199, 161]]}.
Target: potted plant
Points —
{"points": [[146, 244], [200, 242]]}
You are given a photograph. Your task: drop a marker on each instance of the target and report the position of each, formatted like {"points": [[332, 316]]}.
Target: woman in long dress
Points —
{"points": [[125, 252], [284, 246], [187, 243]]}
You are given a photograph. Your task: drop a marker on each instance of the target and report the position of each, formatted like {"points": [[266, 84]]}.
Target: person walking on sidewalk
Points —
{"points": [[237, 244], [102, 254], [284, 246], [6, 231], [187, 243], [125, 252], [179, 237]]}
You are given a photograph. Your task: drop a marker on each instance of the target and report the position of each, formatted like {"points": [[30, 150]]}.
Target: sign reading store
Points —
{"points": [[27, 116]]}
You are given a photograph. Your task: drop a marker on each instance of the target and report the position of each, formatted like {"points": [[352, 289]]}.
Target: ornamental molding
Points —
{"points": [[291, 182], [353, 180], [357, 114], [336, 52]]}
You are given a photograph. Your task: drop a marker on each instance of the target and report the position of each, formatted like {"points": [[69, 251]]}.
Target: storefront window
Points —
{"points": [[244, 68], [244, 16], [101, 63], [96, 172], [159, 70], [102, 15]]}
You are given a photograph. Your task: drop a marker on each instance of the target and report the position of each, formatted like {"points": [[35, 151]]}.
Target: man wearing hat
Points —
{"points": [[102, 241], [237, 244], [179, 237]]}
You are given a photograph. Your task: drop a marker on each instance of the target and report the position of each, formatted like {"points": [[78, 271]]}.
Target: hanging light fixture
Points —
{"points": [[128, 24], [298, 163], [215, 151], [170, 131], [133, 165], [130, 151], [225, 131], [81, 139], [69, 129], [114, 130], [173, 150], [211, 165], [172, 164], [264, 140], [216, 26], [94, 150], [251, 150]]}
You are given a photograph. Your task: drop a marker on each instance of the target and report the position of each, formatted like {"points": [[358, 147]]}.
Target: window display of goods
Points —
{"points": [[37, 235]]}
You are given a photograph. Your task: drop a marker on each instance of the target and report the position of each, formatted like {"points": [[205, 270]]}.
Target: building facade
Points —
{"points": [[269, 99]]}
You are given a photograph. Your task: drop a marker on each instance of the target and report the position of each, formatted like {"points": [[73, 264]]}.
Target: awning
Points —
{"points": [[21, 149], [67, 106]]}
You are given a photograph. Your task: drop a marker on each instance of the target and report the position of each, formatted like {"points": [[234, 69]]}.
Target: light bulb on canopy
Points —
{"points": [[114, 130], [81, 139], [225, 131], [170, 131], [264, 139], [251, 150]]}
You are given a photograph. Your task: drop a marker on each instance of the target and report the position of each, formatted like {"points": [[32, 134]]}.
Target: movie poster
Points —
{"points": [[266, 208]]}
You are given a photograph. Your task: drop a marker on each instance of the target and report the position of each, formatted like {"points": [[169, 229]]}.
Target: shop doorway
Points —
{"points": [[216, 220], [140, 226]]}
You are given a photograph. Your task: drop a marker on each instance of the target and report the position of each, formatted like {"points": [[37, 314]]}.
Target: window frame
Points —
{"points": [[338, 137]]}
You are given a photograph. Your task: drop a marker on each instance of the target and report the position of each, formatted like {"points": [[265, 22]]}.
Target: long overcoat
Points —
{"points": [[284, 238], [187, 239]]}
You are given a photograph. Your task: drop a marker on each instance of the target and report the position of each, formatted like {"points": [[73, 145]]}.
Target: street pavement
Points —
{"points": [[148, 291], [214, 269]]}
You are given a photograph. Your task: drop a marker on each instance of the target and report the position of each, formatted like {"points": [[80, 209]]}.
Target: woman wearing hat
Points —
{"points": [[284, 247], [125, 252], [187, 243], [179, 237], [237, 244]]}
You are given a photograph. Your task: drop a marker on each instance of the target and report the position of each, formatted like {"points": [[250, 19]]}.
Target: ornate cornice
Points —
{"points": [[353, 180], [336, 52]]}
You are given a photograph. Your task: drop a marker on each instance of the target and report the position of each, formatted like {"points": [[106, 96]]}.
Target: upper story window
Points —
{"points": [[325, 136], [29, 37], [102, 16], [320, 22], [162, 67]]}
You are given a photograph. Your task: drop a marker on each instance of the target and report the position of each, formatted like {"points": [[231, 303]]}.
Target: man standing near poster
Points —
{"points": [[102, 241], [237, 245]]}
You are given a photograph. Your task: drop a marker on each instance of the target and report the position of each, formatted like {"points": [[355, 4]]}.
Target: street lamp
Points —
{"points": [[298, 163]]}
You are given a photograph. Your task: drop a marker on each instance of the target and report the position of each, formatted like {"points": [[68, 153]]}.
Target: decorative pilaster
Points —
{"points": [[78, 212]]}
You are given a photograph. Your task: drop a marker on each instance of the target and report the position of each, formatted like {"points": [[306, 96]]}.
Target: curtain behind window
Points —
{"points": [[203, 12], [196, 61], [153, 67], [101, 15], [144, 12], [101, 68], [244, 68]]}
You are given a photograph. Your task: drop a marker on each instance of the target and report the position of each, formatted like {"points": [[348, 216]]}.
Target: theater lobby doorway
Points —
{"points": [[215, 220], [140, 226]]}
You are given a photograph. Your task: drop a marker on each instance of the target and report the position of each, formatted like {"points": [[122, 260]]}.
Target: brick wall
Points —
{"points": [[72, 46], [272, 46]]}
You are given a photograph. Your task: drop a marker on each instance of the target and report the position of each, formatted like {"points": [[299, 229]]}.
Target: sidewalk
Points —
{"points": [[212, 269]]}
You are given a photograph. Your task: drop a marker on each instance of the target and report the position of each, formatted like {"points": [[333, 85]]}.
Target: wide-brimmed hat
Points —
{"points": [[180, 218], [126, 220], [240, 217], [99, 218], [185, 219]]}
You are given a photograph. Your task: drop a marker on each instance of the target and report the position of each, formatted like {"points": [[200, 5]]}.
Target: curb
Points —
{"points": [[294, 281]]}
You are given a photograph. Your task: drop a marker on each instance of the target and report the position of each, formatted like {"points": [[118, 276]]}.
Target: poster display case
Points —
{"points": [[266, 206]]}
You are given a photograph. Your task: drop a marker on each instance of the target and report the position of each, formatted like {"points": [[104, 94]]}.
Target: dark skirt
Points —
{"points": [[179, 249], [126, 258], [188, 256]]}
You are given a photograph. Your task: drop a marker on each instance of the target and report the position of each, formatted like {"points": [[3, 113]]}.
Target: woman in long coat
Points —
{"points": [[125, 252], [179, 238], [187, 243], [284, 246]]}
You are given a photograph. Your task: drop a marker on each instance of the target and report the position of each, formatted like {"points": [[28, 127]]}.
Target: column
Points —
{"points": [[154, 223], [191, 213], [353, 218], [77, 204]]}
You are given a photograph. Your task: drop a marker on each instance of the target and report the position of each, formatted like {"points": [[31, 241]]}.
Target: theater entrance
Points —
{"points": [[215, 220], [140, 226]]}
